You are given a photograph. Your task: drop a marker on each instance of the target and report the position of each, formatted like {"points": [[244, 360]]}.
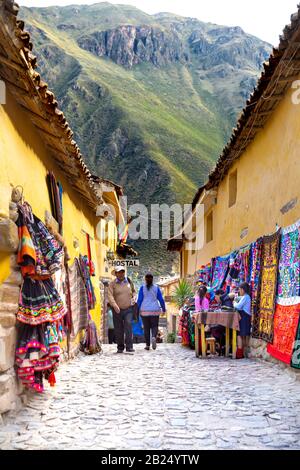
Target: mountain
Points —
{"points": [[151, 98]]}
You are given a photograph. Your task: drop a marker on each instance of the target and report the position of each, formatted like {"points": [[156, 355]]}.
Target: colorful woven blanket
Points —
{"points": [[255, 269], [289, 264], [79, 300], [286, 322], [296, 353], [220, 270], [263, 324]]}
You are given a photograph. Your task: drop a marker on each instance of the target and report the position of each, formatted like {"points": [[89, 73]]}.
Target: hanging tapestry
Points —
{"points": [[233, 271], [245, 254], [55, 192], [239, 268], [39, 253], [37, 353], [85, 269], [296, 353], [39, 302], [255, 271], [79, 300], [286, 320], [289, 264], [263, 323], [203, 275], [41, 309], [220, 270]]}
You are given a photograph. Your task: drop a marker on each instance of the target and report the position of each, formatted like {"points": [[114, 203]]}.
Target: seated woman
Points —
{"points": [[223, 299], [218, 331], [243, 306]]}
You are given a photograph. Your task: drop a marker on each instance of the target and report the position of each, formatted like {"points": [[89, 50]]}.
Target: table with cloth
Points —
{"points": [[228, 319]]}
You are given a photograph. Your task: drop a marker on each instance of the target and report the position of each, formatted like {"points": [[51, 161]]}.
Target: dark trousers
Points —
{"points": [[150, 327], [111, 336], [123, 326]]}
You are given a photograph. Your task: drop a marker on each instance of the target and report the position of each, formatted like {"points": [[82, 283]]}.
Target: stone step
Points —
{"points": [[7, 319], [9, 294], [15, 277], [8, 308]]}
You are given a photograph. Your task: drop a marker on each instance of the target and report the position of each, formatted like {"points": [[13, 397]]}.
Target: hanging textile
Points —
{"points": [[263, 322], [245, 273], [41, 309], [79, 300], [239, 268], [296, 352], [220, 271], [39, 253], [91, 343], [289, 265], [255, 271], [85, 269], [184, 327], [286, 320], [39, 302], [91, 264], [37, 352], [203, 275], [55, 192]]}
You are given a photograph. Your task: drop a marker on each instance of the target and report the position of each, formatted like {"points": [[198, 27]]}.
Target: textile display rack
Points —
{"points": [[271, 267]]}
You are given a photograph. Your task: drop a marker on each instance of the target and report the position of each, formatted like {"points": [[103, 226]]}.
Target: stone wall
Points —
{"points": [[258, 350], [11, 392]]}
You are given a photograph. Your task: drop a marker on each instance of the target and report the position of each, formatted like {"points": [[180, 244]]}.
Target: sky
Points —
{"points": [[262, 18]]}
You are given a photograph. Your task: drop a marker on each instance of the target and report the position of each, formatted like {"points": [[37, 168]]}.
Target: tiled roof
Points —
{"points": [[282, 68], [17, 69], [280, 71]]}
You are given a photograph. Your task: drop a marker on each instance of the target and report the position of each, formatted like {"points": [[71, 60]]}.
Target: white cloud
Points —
{"points": [[262, 18]]}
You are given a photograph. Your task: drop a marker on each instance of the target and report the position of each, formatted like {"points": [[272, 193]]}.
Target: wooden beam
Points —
{"points": [[290, 78], [11, 64], [34, 115], [265, 113], [23, 91], [254, 126], [53, 136], [67, 155]]}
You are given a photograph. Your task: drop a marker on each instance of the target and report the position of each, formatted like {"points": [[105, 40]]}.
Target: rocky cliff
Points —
{"points": [[151, 98], [130, 45]]}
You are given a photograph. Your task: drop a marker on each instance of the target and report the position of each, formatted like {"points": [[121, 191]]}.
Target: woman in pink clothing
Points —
{"points": [[201, 301]]}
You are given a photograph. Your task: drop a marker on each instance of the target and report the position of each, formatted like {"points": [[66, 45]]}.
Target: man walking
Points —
{"points": [[121, 296]]}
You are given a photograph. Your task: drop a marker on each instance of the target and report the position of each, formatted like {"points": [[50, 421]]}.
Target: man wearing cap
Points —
{"points": [[121, 296]]}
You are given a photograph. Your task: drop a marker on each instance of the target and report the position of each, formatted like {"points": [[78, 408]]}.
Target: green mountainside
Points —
{"points": [[151, 98]]}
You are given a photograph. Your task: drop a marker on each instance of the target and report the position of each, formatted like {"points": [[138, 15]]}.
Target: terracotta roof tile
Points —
{"points": [[18, 69]]}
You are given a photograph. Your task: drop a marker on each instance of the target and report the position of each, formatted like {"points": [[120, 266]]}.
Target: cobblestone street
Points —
{"points": [[160, 400]]}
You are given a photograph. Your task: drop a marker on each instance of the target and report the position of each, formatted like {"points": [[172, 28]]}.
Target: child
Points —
{"points": [[201, 301], [243, 305], [110, 324]]}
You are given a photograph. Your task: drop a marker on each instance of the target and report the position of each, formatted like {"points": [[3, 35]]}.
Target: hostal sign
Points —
{"points": [[127, 263]]}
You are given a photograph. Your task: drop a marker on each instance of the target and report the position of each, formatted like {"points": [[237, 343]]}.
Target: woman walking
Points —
{"points": [[151, 303]]}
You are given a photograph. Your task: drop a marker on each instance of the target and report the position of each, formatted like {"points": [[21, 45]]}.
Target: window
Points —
{"points": [[209, 227], [232, 188]]}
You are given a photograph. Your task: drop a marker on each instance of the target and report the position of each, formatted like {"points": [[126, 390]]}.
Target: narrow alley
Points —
{"points": [[163, 400]]}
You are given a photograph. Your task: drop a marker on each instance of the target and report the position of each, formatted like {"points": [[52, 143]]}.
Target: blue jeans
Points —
{"points": [[123, 327]]}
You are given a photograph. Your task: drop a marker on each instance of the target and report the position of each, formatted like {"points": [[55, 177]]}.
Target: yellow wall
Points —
{"points": [[268, 178], [24, 161]]}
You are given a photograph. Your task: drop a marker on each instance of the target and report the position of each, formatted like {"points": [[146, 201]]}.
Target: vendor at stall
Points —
{"points": [[243, 305]]}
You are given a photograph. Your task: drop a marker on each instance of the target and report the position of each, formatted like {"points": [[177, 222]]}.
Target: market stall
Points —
{"points": [[229, 320]]}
